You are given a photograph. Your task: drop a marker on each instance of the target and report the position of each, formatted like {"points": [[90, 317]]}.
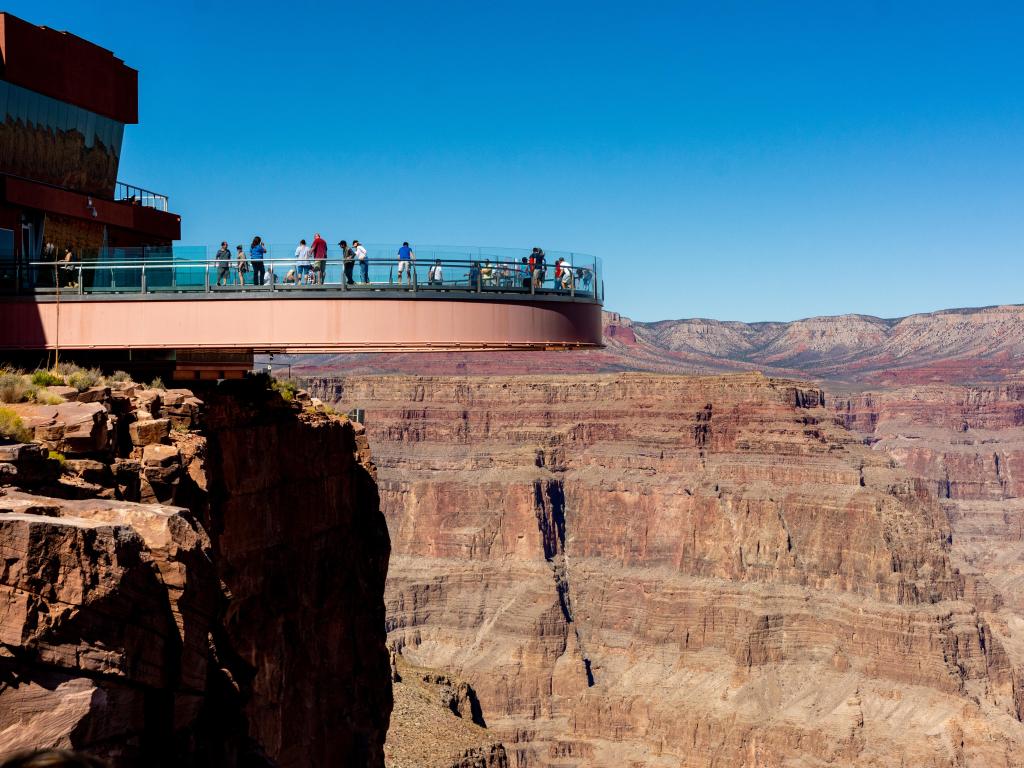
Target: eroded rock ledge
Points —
{"points": [[200, 584]]}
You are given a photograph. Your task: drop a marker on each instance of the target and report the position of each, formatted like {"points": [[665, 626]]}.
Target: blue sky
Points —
{"points": [[747, 161]]}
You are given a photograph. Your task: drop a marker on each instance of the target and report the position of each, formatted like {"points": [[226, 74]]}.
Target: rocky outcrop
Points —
{"points": [[239, 623], [654, 570]]}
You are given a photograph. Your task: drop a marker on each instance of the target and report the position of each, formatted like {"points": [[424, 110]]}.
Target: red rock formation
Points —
{"points": [[651, 570], [245, 629]]}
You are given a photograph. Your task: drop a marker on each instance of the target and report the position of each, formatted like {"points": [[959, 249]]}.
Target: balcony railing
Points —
{"points": [[138, 196], [190, 270]]}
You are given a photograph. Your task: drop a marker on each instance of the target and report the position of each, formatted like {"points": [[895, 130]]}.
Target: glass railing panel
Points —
{"points": [[189, 269]]}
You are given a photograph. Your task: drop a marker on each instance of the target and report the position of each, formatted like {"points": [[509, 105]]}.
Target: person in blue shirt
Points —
{"points": [[405, 258], [256, 253]]}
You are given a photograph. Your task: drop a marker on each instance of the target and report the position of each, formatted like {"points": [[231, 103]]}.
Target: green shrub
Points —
{"points": [[43, 397], [43, 378], [15, 387], [286, 387], [119, 376], [157, 383], [58, 457], [12, 427], [66, 369], [84, 378]]}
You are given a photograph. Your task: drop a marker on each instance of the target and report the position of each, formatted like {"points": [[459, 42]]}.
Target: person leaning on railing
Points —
{"points": [[406, 256]]}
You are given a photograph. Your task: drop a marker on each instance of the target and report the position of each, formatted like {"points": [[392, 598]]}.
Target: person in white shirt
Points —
{"points": [[302, 261], [434, 276], [364, 265]]}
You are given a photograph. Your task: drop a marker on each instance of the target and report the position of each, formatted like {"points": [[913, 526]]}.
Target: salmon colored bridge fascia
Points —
{"points": [[289, 324]]}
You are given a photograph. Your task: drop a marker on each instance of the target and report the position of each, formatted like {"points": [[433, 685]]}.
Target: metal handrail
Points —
{"points": [[139, 196], [152, 276]]}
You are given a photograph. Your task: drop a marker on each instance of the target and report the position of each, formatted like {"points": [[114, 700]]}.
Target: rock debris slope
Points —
{"points": [[199, 583], [672, 571]]}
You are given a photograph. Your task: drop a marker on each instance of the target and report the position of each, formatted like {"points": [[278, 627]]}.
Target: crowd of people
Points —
{"points": [[310, 267]]}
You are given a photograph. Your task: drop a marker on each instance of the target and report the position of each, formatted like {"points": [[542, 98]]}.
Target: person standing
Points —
{"points": [[364, 265], [241, 264], [348, 258], [405, 259], [542, 268], [302, 262], [256, 253], [223, 262], [435, 276], [319, 248]]}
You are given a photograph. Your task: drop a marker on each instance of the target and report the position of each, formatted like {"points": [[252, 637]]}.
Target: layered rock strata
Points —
{"points": [[967, 445], [671, 571], [239, 623]]}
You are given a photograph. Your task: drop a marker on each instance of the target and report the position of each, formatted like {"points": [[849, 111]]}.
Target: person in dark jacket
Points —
{"points": [[223, 261], [348, 256]]}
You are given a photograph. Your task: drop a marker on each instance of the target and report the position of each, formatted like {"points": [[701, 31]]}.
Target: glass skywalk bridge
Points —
{"points": [[183, 299]]}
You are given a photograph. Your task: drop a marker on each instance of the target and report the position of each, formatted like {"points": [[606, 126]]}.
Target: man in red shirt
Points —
{"points": [[319, 249]]}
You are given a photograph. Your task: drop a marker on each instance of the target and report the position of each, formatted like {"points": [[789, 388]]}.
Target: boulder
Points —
{"points": [[176, 396], [148, 400], [85, 426], [156, 455], [26, 464], [143, 433], [124, 389], [50, 434], [94, 395], [90, 470]]}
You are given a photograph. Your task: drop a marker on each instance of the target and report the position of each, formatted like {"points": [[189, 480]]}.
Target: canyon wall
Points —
{"points": [[967, 445], [199, 583], [677, 571]]}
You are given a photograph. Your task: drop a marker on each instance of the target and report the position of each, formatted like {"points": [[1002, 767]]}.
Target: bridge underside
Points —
{"points": [[296, 324]]}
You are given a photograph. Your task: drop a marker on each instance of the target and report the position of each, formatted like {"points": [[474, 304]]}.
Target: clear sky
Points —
{"points": [[746, 161]]}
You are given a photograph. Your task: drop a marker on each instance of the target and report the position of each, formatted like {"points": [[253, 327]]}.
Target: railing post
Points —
{"points": [[80, 289], [533, 281], [206, 278], [412, 274], [479, 279], [142, 280]]}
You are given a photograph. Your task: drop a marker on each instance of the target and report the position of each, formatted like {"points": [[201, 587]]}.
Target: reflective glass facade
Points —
{"points": [[48, 140]]}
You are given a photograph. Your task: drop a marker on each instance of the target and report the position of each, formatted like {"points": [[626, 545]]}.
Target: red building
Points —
{"points": [[64, 104]]}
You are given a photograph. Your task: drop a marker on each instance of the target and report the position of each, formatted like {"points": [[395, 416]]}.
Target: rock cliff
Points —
{"points": [[193, 583], [671, 571]]}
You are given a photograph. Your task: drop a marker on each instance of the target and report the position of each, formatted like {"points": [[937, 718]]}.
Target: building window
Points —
{"points": [[47, 140]]}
